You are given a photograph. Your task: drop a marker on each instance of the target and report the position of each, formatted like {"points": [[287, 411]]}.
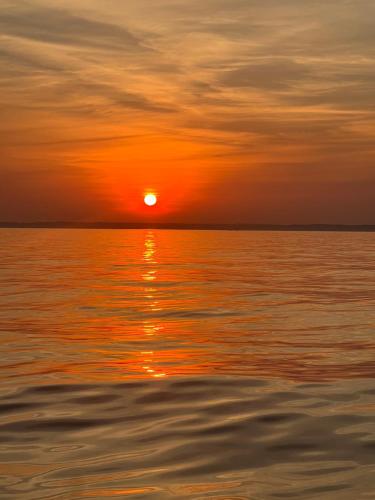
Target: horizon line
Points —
{"points": [[188, 226]]}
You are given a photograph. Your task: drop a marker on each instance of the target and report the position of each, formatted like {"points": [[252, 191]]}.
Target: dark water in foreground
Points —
{"points": [[183, 364]]}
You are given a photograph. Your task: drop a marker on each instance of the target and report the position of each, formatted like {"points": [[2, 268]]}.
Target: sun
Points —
{"points": [[150, 199]]}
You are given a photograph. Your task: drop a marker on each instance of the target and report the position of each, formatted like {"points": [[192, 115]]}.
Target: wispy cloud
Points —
{"points": [[58, 26]]}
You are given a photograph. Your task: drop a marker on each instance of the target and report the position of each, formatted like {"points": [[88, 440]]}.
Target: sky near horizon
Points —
{"points": [[230, 110]]}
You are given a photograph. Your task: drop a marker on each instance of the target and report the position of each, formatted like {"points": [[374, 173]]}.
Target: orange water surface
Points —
{"points": [[186, 364]]}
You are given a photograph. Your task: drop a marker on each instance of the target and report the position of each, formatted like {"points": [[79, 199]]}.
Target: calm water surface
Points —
{"points": [[187, 364]]}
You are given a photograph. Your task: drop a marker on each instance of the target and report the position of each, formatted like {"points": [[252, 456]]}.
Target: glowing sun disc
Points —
{"points": [[150, 200]]}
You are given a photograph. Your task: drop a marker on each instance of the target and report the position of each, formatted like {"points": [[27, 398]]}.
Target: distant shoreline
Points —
{"points": [[200, 227]]}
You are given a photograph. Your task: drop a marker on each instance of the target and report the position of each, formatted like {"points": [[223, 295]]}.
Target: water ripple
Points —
{"points": [[188, 365]]}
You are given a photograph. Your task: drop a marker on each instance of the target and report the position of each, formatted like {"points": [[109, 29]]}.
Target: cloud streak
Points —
{"points": [[57, 26]]}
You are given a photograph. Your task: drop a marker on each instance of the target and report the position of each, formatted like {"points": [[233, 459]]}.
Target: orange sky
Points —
{"points": [[231, 110]]}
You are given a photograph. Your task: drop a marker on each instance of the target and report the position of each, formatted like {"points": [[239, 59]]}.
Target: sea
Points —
{"points": [[187, 364]]}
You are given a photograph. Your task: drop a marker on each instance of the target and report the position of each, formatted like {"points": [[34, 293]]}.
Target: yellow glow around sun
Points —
{"points": [[150, 199]]}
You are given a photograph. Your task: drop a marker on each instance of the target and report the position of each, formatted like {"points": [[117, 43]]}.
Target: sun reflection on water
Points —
{"points": [[151, 329]]}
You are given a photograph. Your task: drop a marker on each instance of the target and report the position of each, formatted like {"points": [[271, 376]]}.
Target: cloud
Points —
{"points": [[347, 92], [58, 26], [274, 75], [77, 141], [14, 60], [63, 80], [113, 96]]}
